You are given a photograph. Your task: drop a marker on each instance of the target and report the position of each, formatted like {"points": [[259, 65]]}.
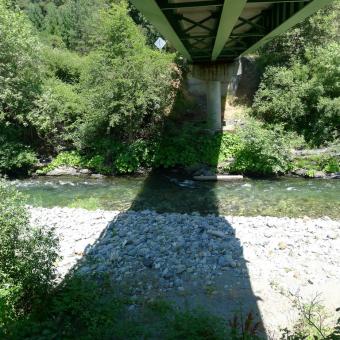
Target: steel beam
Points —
{"points": [[296, 18], [230, 13], [278, 1], [155, 15], [192, 4]]}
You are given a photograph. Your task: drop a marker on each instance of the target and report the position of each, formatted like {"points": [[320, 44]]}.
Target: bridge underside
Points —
{"points": [[216, 32], [222, 30]]}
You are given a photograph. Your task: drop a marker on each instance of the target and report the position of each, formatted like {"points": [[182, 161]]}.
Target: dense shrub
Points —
{"points": [[63, 64], [74, 159], [55, 114], [255, 150], [15, 158], [300, 86], [128, 86], [326, 163], [305, 96], [77, 309], [190, 144], [263, 151], [20, 70], [27, 257], [77, 22]]}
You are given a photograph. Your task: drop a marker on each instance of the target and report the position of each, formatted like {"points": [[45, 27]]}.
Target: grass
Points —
{"points": [[94, 309]]}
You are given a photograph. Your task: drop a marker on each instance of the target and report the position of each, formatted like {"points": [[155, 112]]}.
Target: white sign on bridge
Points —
{"points": [[160, 43]]}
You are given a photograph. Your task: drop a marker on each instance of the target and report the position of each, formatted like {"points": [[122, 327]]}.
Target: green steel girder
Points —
{"points": [[155, 15], [230, 13], [195, 4], [224, 33], [192, 4], [281, 17]]}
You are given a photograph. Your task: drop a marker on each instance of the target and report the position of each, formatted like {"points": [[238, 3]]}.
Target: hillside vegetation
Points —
{"points": [[81, 79]]}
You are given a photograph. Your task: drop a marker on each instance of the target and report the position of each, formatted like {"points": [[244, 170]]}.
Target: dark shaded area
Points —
{"points": [[226, 293]]}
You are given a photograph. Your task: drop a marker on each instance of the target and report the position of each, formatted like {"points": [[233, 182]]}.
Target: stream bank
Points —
{"points": [[227, 264]]}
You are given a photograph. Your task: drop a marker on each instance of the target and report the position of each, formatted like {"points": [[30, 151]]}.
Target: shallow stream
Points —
{"points": [[291, 197]]}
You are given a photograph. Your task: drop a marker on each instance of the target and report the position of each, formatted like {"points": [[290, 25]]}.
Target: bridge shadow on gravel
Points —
{"points": [[182, 252]]}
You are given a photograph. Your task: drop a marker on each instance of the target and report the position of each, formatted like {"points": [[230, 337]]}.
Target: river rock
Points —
{"points": [[85, 171], [300, 172], [163, 252], [63, 171], [319, 174], [148, 262], [225, 260]]}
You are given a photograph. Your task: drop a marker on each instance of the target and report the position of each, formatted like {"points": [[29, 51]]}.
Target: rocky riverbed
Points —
{"points": [[226, 264]]}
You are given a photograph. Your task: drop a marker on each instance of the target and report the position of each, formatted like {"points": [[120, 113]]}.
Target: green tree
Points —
{"points": [[304, 97], [20, 70], [128, 85], [27, 257], [300, 83], [316, 31], [77, 22]]}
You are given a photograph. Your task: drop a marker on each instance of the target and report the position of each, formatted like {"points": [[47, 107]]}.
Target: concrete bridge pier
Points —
{"points": [[214, 105], [218, 82]]}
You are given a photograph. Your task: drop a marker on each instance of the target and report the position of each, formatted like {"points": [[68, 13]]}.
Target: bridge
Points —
{"points": [[210, 32]]}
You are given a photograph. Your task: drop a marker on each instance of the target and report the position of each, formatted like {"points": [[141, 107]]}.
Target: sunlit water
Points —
{"points": [[283, 197]]}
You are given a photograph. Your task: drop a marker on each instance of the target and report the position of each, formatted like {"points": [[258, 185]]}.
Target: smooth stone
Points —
{"points": [[224, 260], [180, 269], [85, 171], [167, 274], [148, 262]]}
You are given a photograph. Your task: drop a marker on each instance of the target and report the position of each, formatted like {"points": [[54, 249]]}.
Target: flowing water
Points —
{"points": [[291, 197]]}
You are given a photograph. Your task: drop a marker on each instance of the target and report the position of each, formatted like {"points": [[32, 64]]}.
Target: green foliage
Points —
{"points": [[304, 97], [15, 158], [313, 323], [128, 88], [65, 158], [76, 23], [99, 165], [300, 86], [76, 309], [128, 85], [188, 325], [82, 308], [263, 151], [326, 163], [74, 159], [129, 158], [332, 165], [255, 150], [27, 257], [190, 144], [63, 64], [316, 31], [55, 114], [20, 70]]}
